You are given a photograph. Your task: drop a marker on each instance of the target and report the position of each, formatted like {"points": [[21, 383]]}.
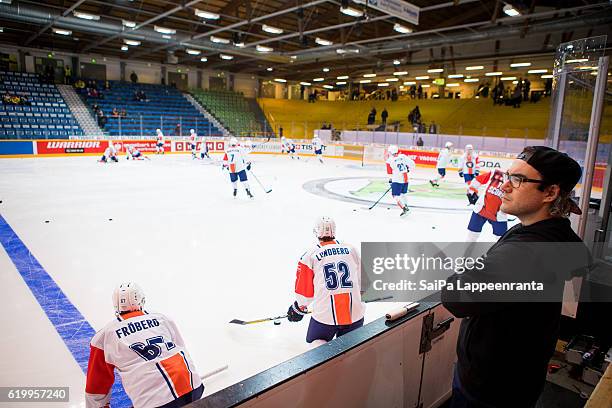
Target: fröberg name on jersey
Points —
{"points": [[134, 327]]}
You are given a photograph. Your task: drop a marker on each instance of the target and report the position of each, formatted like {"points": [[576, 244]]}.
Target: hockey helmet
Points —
{"points": [[393, 149], [233, 141], [128, 297], [448, 145], [325, 227]]}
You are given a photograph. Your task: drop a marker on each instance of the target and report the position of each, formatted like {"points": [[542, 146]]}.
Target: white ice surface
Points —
{"points": [[201, 256]]}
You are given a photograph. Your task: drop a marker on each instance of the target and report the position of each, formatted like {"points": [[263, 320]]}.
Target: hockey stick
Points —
{"points": [[260, 183], [214, 372], [267, 319], [381, 197]]}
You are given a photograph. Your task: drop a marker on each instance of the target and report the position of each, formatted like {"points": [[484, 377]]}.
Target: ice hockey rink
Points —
{"points": [[201, 256]]}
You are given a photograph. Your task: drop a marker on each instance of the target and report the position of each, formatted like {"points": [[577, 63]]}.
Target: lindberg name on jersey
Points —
{"points": [[134, 327], [332, 251]]}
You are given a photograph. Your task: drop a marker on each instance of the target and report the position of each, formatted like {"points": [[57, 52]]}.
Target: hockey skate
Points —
{"points": [[249, 193], [235, 192], [405, 211]]}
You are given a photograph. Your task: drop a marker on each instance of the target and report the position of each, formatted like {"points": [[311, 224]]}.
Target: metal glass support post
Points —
{"points": [[558, 110], [591, 152]]}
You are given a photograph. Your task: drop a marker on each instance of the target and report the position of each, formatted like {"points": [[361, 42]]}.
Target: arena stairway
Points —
{"points": [[232, 110], [165, 108], [80, 112], [45, 116]]}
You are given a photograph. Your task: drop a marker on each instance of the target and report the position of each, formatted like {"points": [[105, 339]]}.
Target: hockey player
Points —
{"points": [[328, 279], [487, 205], [443, 160], [110, 153], [283, 145], [193, 141], [398, 166], [204, 150], [290, 146], [468, 164], [159, 145], [317, 146], [149, 354], [134, 153], [234, 161]]}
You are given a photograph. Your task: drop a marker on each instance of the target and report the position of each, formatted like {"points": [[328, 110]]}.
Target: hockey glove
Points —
{"points": [[476, 173], [390, 181], [461, 174], [472, 198], [248, 166], [295, 314]]}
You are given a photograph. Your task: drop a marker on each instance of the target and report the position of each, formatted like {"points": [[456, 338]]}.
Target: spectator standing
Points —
{"points": [[537, 190], [384, 115], [134, 77], [420, 142], [420, 91], [526, 89], [67, 75], [177, 130], [433, 128]]}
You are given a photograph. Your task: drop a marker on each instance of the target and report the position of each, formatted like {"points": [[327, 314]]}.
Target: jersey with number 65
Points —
{"points": [[149, 354], [398, 167], [328, 280]]}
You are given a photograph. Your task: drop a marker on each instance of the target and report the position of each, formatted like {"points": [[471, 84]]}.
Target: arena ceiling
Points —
{"points": [[297, 38]]}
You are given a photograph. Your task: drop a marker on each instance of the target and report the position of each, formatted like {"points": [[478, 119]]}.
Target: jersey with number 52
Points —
{"points": [[150, 356], [329, 280], [398, 167]]}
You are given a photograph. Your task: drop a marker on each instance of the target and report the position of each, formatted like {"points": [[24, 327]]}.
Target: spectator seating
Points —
{"points": [[164, 108], [48, 116], [231, 109], [474, 117]]}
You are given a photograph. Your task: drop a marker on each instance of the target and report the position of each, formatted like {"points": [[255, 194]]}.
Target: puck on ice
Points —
{"points": [[277, 322], [46, 221]]}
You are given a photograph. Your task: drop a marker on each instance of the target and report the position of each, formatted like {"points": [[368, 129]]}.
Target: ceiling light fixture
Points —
{"points": [[325, 69], [323, 41], [396, 62], [409, 83], [318, 80], [305, 83], [341, 83], [263, 48], [207, 15], [365, 81], [421, 78], [167, 37], [193, 52], [133, 43], [392, 79], [511, 11], [226, 57], [520, 64], [498, 73], [381, 84], [537, 71], [164, 30], [455, 76], [203, 59], [328, 87], [546, 76], [474, 68], [271, 29], [127, 23], [471, 80], [453, 85], [369, 75], [280, 80], [435, 70], [269, 69], [62, 32], [342, 77], [573, 61], [219, 40], [398, 73], [510, 78], [86, 16], [124, 48], [402, 29], [350, 11]]}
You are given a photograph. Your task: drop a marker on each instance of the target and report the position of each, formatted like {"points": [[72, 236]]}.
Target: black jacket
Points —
{"points": [[504, 347]]}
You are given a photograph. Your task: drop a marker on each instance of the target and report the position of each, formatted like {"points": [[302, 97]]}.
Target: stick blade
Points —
{"points": [[238, 321]]}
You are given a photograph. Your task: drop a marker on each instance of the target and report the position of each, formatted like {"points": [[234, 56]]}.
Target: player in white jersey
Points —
{"points": [[468, 164], [204, 149], [193, 141], [398, 166], [159, 143], [149, 354], [443, 160], [134, 154], [328, 280], [290, 147], [110, 153], [234, 161], [317, 146]]}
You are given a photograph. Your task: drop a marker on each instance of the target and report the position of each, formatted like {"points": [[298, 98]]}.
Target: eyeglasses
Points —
{"points": [[517, 179]]}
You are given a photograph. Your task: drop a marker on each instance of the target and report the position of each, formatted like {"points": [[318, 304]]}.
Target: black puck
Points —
{"points": [[46, 221], [110, 219]]}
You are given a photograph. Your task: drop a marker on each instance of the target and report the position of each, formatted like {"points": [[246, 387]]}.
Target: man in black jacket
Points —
{"points": [[505, 342]]}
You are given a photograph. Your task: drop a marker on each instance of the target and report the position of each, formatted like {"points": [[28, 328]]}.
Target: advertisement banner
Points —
{"points": [[70, 146], [10, 147], [214, 146]]}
